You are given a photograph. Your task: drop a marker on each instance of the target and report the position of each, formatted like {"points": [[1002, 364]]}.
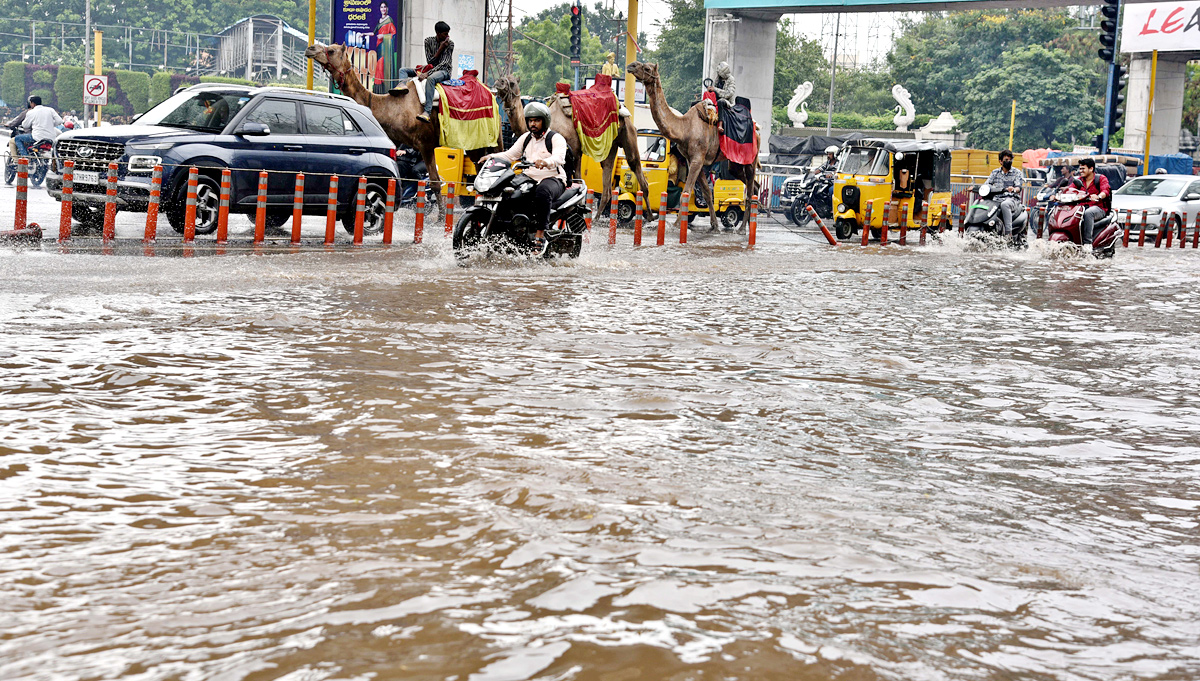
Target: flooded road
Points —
{"points": [[793, 463]]}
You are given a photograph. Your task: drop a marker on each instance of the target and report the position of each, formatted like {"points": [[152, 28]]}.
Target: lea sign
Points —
{"points": [[1162, 26], [95, 90]]}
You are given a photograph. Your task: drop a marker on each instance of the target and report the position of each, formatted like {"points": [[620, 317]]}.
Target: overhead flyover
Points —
{"points": [[742, 32]]}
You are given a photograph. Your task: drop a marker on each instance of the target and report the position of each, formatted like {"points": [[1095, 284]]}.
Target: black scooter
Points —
{"points": [[502, 217], [815, 191], [984, 219]]}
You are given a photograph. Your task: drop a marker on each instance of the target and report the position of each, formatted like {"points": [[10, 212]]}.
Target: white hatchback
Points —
{"points": [[1177, 197]]}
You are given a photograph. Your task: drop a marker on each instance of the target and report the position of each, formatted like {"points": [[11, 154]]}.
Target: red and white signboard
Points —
{"points": [[95, 90], [1162, 26]]}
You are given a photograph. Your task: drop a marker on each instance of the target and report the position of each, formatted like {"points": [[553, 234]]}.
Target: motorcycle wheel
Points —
{"points": [[798, 214], [468, 234], [38, 173], [10, 171], [844, 229]]}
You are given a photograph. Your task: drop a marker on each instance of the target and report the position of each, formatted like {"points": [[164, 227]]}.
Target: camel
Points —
{"points": [[694, 137], [508, 89], [396, 113]]}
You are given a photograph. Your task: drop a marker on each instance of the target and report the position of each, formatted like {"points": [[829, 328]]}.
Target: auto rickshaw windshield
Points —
{"points": [[653, 148], [863, 161]]}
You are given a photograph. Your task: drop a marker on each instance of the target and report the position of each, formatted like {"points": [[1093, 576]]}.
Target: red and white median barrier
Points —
{"points": [[68, 201], [419, 220], [389, 212], [150, 233], [449, 208], [684, 200], [637, 221], [331, 211], [260, 210], [820, 223], [298, 208], [752, 218], [612, 219], [662, 219], [360, 210], [110, 205]]}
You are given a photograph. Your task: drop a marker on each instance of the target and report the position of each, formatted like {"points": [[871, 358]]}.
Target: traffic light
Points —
{"points": [[576, 33], [1116, 100], [1110, 12]]}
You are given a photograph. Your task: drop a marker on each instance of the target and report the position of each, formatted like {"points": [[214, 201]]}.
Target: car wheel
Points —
{"points": [[731, 218], [208, 203], [276, 220], [90, 217], [373, 214]]}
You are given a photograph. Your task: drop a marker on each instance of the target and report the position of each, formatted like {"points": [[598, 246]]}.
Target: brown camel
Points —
{"points": [[508, 89], [696, 140], [396, 113]]}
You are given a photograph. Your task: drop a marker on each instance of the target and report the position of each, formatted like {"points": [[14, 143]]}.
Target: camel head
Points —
{"points": [[508, 88], [332, 58], [643, 72]]}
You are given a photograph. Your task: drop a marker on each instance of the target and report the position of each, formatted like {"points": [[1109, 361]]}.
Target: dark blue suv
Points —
{"points": [[248, 130]]}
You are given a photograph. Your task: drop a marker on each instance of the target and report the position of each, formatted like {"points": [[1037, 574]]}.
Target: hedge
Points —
{"points": [[46, 95], [68, 88], [136, 88], [12, 84], [160, 87], [42, 77]]}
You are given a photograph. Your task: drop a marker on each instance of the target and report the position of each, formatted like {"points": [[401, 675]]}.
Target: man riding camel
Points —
{"points": [[439, 57], [724, 86]]}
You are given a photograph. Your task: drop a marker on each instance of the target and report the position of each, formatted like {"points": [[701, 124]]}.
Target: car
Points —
{"points": [[1176, 196], [245, 129]]}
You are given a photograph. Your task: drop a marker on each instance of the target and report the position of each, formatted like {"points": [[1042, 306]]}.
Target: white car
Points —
{"points": [[1176, 196]]}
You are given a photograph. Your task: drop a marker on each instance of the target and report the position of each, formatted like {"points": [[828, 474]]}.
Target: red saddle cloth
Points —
{"points": [[595, 108], [469, 101]]}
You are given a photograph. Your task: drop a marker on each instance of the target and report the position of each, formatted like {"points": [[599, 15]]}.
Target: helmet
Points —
{"points": [[537, 110], [831, 149], [1160, 171]]}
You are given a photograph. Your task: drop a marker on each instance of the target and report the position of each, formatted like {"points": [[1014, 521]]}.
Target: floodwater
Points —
{"points": [[661, 464]]}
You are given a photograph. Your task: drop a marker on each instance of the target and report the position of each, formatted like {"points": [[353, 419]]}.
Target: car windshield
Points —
{"points": [[207, 111], [863, 161], [1152, 186]]}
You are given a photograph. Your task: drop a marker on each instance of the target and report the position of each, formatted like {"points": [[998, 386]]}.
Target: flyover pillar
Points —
{"points": [[1168, 101], [748, 44]]}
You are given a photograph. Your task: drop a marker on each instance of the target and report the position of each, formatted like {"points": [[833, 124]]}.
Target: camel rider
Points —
{"points": [[1008, 181], [724, 86], [610, 67], [439, 57], [547, 152]]}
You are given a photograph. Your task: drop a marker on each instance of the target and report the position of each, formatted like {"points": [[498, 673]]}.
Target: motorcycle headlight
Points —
{"points": [[483, 183], [143, 164], [842, 208]]}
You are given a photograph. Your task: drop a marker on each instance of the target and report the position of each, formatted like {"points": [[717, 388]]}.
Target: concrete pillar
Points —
{"points": [[279, 51], [748, 44], [250, 48], [1168, 102]]}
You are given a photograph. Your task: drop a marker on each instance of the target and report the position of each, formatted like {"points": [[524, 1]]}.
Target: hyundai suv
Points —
{"points": [[211, 127]]}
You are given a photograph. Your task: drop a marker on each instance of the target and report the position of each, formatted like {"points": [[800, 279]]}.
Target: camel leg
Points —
{"points": [[606, 169], [435, 180], [695, 165], [707, 188], [628, 143]]}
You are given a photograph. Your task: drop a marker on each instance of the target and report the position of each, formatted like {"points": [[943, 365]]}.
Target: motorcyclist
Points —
{"points": [[547, 152], [15, 125], [830, 159], [42, 123], [1099, 197], [1009, 182]]}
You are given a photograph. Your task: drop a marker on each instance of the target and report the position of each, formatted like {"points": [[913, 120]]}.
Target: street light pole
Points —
{"points": [[87, 53]]}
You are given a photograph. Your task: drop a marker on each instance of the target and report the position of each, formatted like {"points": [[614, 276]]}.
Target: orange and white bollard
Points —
{"points": [[1128, 229], [684, 201], [223, 206], [637, 220], [866, 225], [903, 224], [260, 213], [662, 219], [22, 211], [1142, 231], [1041, 221], [389, 212], [360, 210], [591, 208], [612, 219], [150, 233], [924, 222], [821, 223], [419, 220], [892, 209], [331, 211], [1182, 230], [752, 231], [1164, 225], [1196, 233], [109, 231], [962, 219], [449, 208], [298, 208], [68, 201]]}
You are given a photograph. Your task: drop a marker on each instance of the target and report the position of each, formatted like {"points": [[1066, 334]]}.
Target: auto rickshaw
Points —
{"points": [[454, 165], [914, 173], [656, 160]]}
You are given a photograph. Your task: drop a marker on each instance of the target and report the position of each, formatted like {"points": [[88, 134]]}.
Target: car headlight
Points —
{"points": [[842, 208], [161, 146], [143, 164], [1153, 211]]}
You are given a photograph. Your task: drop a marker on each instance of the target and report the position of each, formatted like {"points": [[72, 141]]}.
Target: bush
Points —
{"points": [[114, 110], [12, 84], [68, 88], [160, 87], [136, 88], [42, 77]]}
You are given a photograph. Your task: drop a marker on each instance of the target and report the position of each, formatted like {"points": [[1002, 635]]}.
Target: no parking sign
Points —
{"points": [[95, 90]]}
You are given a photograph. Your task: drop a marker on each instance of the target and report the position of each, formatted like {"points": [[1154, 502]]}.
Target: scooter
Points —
{"points": [[502, 217], [41, 155], [1066, 223], [815, 191], [984, 219]]}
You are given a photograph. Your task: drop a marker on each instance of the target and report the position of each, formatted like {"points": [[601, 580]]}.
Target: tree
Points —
{"points": [[1059, 109], [680, 52], [542, 57], [797, 59]]}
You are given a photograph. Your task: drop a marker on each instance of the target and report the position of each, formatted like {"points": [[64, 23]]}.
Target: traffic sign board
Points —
{"points": [[95, 90]]}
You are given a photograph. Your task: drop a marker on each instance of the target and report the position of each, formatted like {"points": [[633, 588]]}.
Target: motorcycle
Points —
{"points": [[1066, 223], [815, 191], [502, 216], [41, 155], [984, 219]]}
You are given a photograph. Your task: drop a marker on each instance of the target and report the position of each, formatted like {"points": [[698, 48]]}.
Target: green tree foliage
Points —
{"points": [[608, 25], [1058, 109], [12, 84], [680, 52], [797, 60], [540, 68], [68, 88], [1191, 97]]}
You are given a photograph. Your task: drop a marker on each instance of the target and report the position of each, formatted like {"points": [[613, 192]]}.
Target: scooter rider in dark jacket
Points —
{"points": [[1010, 182]]}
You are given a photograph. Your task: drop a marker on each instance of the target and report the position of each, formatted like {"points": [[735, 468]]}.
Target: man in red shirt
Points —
{"points": [[1099, 197]]}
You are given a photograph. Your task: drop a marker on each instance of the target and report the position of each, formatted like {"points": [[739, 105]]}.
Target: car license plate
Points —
{"points": [[86, 177]]}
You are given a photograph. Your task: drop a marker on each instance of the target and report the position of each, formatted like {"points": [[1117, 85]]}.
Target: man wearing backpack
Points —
{"points": [[547, 152]]}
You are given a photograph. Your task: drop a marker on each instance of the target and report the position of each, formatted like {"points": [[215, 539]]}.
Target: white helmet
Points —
{"points": [[831, 149]]}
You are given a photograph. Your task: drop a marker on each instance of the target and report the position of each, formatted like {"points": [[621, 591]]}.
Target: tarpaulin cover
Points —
{"points": [[737, 141], [1174, 163], [799, 151], [597, 117], [469, 116]]}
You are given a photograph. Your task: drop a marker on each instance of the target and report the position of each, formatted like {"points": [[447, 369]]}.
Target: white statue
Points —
{"points": [[944, 123], [797, 108], [905, 119]]}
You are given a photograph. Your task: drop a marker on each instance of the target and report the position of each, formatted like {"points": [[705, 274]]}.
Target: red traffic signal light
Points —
{"points": [[575, 10]]}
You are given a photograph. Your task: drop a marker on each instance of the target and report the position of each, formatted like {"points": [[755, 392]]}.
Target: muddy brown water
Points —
{"points": [[795, 463]]}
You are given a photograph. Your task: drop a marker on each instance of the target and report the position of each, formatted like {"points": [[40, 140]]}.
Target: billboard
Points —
{"points": [[370, 30], [1162, 26]]}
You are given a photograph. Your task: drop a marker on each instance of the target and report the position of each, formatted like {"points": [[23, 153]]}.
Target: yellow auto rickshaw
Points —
{"points": [[912, 173], [655, 150], [454, 165]]}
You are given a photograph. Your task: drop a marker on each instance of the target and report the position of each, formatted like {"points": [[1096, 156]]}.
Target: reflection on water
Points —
{"points": [[795, 463]]}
